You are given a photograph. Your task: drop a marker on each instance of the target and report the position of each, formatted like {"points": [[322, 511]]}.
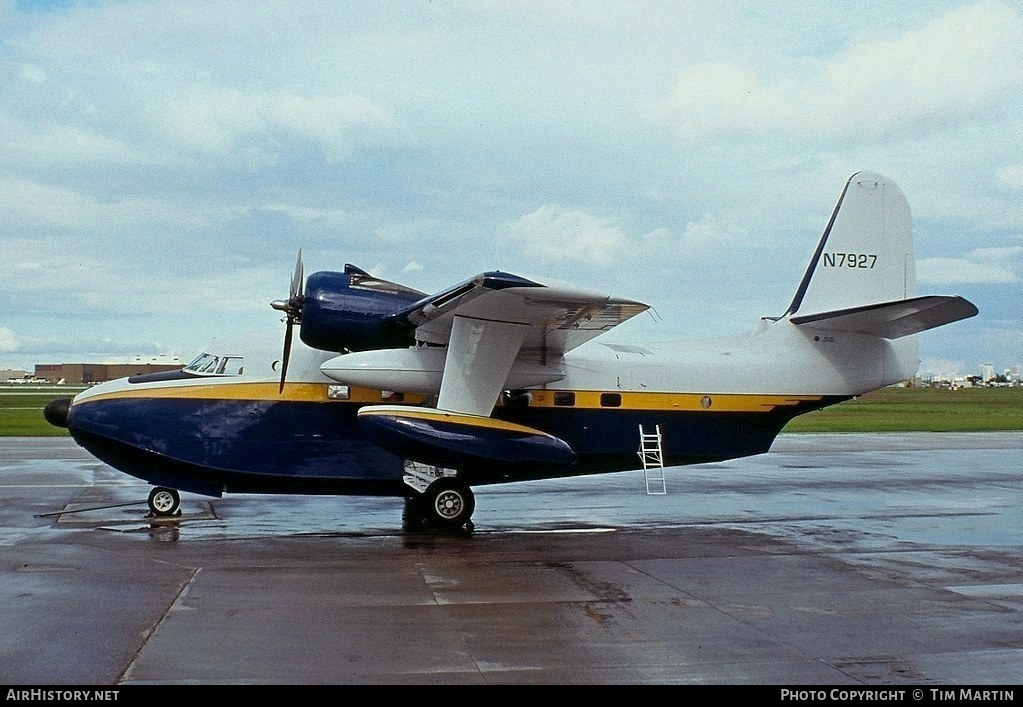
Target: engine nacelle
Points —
{"points": [[351, 311]]}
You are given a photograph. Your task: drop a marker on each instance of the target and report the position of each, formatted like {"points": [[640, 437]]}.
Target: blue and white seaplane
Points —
{"points": [[393, 392]]}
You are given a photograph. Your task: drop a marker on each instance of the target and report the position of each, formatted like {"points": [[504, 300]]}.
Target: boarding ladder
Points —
{"points": [[653, 460]]}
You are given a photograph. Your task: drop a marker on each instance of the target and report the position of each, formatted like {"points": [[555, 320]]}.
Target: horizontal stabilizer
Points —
{"points": [[892, 320]]}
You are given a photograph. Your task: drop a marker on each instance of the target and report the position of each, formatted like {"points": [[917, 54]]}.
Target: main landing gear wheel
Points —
{"points": [[164, 501], [448, 504]]}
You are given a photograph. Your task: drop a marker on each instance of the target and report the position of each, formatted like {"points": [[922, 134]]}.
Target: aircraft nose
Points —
{"points": [[56, 411]]}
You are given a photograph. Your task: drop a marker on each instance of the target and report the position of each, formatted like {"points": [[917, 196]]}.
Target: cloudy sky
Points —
{"points": [[161, 163]]}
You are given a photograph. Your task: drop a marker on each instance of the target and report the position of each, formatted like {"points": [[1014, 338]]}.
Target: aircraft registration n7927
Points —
{"points": [[393, 392]]}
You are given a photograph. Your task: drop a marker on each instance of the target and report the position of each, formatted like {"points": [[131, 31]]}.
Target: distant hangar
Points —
{"points": [[90, 373]]}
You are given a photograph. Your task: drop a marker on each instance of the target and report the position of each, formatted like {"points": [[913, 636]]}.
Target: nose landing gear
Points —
{"points": [[164, 501]]}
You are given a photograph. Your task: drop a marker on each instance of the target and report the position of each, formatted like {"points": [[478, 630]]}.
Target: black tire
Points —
{"points": [[164, 501], [413, 517], [448, 504]]}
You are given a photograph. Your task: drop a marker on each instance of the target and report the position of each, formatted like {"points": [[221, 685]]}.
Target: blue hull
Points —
{"points": [[213, 446], [258, 446]]}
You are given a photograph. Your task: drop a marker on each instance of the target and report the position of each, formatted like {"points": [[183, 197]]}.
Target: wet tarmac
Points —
{"points": [[833, 560]]}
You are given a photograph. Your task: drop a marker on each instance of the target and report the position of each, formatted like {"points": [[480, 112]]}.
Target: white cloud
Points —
{"points": [[305, 214], [339, 123], [704, 240], [213, 122], [31, 72], [953, 66], [221, 122], [1011, 176], [941, 368], [237, 291], [9, 341], [30, 203], [980, 266], [44, 142], [710, 234], [1011, 255], [559, 233]]}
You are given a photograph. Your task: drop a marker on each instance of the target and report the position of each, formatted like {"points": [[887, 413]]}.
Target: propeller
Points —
{"points": [[292, 308]]}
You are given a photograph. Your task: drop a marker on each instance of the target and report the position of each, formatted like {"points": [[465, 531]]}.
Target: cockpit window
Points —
{"points": [[368, 282], [207, 364]]}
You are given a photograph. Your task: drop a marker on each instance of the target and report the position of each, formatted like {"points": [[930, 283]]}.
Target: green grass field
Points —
{"points": [[21, 410], [887, 410], [920, 410]]}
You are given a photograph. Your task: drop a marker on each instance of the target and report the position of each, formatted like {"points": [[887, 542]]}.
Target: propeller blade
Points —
{"points": [[286, 355], [297, 281], [292, 308]]}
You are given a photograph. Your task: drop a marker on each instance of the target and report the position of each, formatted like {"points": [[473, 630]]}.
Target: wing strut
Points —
{"points": [[479, 357]]}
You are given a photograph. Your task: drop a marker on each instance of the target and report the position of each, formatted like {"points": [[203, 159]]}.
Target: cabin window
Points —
{"points": [[339, 392], [610, 400], [516, 398], [564, 399]]}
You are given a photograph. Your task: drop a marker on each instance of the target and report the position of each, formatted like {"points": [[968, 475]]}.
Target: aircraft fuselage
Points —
{"points": [[713, 400]]}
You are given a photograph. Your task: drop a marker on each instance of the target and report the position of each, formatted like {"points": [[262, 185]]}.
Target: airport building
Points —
{"points": [[90, 373]]}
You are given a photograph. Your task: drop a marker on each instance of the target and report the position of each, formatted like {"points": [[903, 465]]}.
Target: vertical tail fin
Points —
{"points": [[862, 276], [866, 253]]}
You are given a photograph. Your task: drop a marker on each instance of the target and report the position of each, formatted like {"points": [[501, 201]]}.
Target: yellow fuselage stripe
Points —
{"points": [[452, 418], [270, 392], [694, 402], [583, 399]]}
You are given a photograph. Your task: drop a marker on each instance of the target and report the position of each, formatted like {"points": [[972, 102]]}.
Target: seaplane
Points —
{"points": [[389, 391]]}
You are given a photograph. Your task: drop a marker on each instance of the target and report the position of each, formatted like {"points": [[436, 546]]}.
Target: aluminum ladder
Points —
{"points": [[653, 461]]}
